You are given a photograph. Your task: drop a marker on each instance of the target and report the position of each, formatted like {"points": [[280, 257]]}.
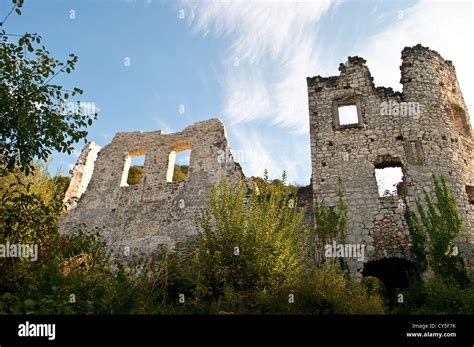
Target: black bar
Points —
{"points": [[389, 330]]}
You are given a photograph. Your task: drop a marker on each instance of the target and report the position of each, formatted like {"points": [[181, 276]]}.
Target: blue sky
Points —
{"points": [[245, 62]]}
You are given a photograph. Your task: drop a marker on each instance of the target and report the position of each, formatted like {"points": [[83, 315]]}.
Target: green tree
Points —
{"points": [[249, 242], [35, 118], [63, 182], [30, 207]]}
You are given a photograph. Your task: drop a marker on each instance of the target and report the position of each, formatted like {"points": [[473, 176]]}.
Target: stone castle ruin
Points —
{"points": [[423, 130], [136, 219], [356, 131]]}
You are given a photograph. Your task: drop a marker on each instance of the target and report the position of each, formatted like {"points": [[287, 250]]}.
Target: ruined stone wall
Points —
{"points": [[81, 174], [138, 218], [436, 140], [425, 130]]}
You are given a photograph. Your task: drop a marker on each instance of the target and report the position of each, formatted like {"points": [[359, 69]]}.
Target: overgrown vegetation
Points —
{"points": [[331, 224], [441, 283], [249, 257], [253, 254]]}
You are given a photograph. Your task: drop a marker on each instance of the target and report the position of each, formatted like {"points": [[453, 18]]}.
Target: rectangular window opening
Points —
{"points": [[389, 180], [178, 166], [133, 171], [348, 115]]}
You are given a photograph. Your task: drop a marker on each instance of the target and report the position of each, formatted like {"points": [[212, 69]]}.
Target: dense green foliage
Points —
{"points": [[30, 206], [252, 255], [249, 257], [330, 225], [35, 118], [435, 296], [253, 243], [433, 231]]}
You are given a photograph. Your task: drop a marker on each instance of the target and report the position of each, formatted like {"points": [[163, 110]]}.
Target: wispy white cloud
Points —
{"points": [[271, 49], [290, 94], [281, 99], [276, 45], [246, 98], [258, 29], [269, 40], [443, 26]]}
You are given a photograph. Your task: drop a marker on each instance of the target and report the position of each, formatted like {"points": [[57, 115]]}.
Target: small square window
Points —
{"points": [[348, 115]]}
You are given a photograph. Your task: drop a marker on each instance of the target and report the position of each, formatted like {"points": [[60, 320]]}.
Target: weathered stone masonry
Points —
{"points": [[438, 140], [428, 134], [81, 174], [138, 218]]}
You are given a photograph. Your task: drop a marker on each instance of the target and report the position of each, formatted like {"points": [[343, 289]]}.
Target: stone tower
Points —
{"points": [[357, 129]]}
